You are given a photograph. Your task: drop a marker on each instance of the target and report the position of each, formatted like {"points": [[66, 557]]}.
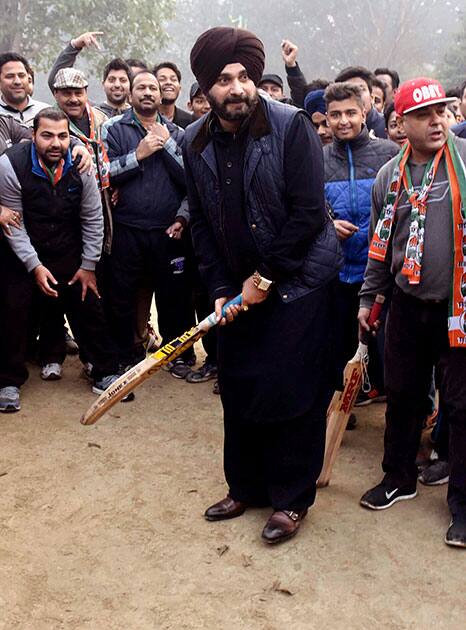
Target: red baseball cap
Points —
{"points": [[417, 93]]}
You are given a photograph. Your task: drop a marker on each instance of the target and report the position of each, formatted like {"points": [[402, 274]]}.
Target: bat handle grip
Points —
{"points": [[374, 315], [234, 302]]}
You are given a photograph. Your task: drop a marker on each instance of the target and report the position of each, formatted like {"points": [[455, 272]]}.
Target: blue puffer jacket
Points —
{"points": [[350, 171]]}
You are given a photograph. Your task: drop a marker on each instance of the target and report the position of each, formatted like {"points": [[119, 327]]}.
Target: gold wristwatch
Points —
{"points": [[260, 282]]}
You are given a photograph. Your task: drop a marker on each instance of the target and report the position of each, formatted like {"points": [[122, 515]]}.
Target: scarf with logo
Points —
{"points": [[412, 264], [55, 173], [96, 148]]}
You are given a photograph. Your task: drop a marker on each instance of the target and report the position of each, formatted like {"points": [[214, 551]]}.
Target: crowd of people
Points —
{"points": [[309, 205]]}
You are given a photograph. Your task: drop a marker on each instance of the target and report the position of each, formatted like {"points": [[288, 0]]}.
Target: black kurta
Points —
{"points": [[274, 360], [287, 340]]}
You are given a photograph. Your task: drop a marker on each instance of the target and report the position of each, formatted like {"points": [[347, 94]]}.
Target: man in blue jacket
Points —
{"points": [[146, 166], [352, 162]]}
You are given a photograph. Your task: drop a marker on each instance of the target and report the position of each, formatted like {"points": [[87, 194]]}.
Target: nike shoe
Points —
{"points": [[51, 372], [368, 398], [9, 399], [101, 384], [384, 496], [456, 533], [435, 474]]}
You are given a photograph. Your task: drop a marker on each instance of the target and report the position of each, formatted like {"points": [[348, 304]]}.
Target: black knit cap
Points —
{"points": [[222, 45]]}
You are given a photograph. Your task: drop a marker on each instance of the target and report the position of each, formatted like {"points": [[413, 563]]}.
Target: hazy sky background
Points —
{"points": [[408, 35]]}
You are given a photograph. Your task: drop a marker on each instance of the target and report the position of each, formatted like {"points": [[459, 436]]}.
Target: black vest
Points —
{"points": [[50, 213]]}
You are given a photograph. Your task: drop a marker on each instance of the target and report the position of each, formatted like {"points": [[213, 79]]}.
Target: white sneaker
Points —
{"points": [[51, 372]]}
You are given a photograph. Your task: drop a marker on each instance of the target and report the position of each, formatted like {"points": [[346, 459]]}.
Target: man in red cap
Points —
{"points": [[418, 250], [254, 173]]}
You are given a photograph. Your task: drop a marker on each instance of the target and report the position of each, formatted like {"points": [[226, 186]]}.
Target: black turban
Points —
{"points": [[222, 45]]}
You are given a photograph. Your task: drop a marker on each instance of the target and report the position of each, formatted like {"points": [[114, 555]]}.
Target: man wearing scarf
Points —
{"points": [[254, 174], [70, 92], [418, 248], [56, 242]]}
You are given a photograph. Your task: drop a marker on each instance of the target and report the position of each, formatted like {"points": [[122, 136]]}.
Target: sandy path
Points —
{"points": [[101, 527]]}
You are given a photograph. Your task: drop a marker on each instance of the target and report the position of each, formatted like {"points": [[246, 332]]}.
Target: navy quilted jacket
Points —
{"points": [[265, 203], [350, 171]]}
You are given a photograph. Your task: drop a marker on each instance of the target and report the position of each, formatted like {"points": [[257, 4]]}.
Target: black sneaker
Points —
{"points": [[100, 385], [456, 533], [384, 496], [435, 474], [205, 373], [179, 368]]}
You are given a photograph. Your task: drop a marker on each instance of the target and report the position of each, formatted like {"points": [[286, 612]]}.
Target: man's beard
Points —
{"points": [[169, 101], [146, 108], [116, 100], [52, 161], [16, 99], [221, 108]]}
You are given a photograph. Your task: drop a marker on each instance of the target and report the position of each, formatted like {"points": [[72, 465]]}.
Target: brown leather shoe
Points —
{"points": [[282, 525], [226, 508]]}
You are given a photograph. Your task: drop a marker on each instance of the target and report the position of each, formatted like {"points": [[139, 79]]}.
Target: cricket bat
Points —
{"points": [[149, 366], [342, 402]]}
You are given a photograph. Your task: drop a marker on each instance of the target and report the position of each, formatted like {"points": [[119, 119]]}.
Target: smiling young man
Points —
{"points": [[169, 77], [116, 82], [418, 228], [363, 79], [55, 245], [198, 104], [255, 187], [352, 162], [15, 89]]}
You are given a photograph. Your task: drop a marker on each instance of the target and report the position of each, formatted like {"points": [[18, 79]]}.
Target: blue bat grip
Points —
{"points": [[237, 300]]}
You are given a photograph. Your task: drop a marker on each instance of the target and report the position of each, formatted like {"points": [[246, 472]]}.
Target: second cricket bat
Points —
{"points": [[342, 402]]}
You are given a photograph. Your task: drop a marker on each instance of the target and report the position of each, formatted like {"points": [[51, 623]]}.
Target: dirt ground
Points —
{"points": [[101, 527]]}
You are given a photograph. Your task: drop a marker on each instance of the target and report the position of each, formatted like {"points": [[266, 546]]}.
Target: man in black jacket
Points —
{"points": [[149, 218], [55, 246], [255, 187]]}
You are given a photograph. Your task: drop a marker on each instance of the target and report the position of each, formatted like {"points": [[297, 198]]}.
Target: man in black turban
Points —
{"points": [[254, 174], [221, 46]]}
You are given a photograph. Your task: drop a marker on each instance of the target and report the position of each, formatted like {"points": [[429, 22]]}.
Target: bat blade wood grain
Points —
{"points": [[338, 414]]}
